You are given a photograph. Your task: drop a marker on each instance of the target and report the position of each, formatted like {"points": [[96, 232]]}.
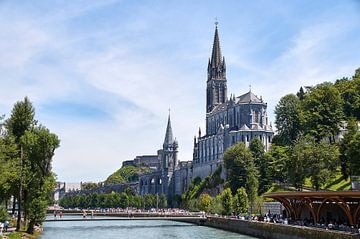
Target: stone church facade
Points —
{"points": [[228, 120]]}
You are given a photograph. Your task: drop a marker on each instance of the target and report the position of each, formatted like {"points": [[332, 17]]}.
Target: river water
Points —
{"points": [[147, 229]]}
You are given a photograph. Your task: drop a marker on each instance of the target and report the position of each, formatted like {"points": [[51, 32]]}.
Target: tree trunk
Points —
{"points": [[30, 228], [18, 223]]}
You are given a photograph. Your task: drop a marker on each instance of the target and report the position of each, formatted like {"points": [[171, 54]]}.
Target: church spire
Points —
{"points": [[216, 90], [169, 139], [216, 51]]}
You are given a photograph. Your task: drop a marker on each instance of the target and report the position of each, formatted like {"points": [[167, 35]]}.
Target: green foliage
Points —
{"points": [[349, 90], [113, 200], [351, 128], [276, 160], [322, 112], [353, 153], [287, 118], [241, 201], [226, 201], [309, 158], [241, 170], [126, 174], [21, 119], [205, 202], [4, 216], [197, 187], [257, 150]]}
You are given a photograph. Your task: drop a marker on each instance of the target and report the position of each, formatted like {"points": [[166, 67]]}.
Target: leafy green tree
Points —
{"points": [[39, 146], [287, 119], [351, 129], [349, 90], [205, 202], [162, 201], [276, 160], [149, 201], [239, 164], [322, 112], [226, 201], [297, 164], [20, 121], [241, 201], [353, 153], [257, 150], [241, 170], [323, 158], [124, 200]]}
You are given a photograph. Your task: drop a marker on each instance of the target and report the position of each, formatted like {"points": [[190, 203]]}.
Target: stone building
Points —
{"points": [[228, 120], [172, 176]]}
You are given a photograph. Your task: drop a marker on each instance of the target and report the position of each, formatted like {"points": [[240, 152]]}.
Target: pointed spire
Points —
{"points": [[169, 139], [216, 52]]}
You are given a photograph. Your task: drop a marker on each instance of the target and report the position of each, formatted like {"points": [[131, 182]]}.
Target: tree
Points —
{"points": [[123, 200], [349, 90], [322, 112], [323, 158], [241, 201], [353, 153], [20, 121], [240, 167], [297, 164], [301, 94], [205, 202], [351, 129], [226, 201], [162, 201], [276, 160], [39, 146], [257, 150], [287, 119]]}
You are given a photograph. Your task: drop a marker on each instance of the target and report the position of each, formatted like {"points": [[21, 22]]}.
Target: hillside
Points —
{"points": [[126, 174]]}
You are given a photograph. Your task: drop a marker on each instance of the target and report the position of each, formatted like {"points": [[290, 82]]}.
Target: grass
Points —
{"points": [[336, 183], [23, 235]]}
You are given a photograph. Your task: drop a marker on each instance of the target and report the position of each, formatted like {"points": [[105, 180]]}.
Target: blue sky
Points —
{"points": [[102, 74]]}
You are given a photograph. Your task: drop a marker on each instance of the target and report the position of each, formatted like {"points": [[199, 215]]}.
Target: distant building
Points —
{"points": [[151, 161]]}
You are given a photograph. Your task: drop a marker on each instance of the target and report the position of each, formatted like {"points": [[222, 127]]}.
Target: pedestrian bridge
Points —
{"points": [[184, 219]]}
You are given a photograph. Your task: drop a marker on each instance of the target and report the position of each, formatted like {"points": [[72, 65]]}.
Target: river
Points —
{"points": [[146, 229]]}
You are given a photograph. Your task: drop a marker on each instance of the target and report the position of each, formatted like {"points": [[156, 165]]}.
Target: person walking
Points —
{"points": [[60, 214], [55, 214], [6, 225]]}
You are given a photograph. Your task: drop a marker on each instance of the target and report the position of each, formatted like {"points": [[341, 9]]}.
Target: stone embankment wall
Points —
{"points": [[270, 230]]}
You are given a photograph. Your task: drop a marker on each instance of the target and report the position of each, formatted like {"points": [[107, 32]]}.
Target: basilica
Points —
{"points": [[228, 120]]}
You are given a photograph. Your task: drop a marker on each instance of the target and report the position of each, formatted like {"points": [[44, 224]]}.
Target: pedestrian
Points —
{"points": [[6, 225], [60, 214], [55, 214]]}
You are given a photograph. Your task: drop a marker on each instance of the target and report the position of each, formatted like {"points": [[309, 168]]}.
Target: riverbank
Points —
{"points": [[20, 235], [270, 230]]}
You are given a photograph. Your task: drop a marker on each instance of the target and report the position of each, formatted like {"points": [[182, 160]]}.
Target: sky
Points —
{"points": [[103, 74]]}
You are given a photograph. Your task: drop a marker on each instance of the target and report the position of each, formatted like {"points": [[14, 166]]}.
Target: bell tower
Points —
{"points": [[216, 89]]}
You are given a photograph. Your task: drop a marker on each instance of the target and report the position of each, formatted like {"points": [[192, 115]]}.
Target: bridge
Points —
{"points": [[65, 219]]}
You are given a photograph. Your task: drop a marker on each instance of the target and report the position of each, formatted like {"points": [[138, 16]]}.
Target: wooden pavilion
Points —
{"points": [[321, 205]]}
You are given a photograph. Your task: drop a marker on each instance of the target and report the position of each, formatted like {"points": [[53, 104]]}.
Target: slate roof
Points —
{"points": [[249, 98]]}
